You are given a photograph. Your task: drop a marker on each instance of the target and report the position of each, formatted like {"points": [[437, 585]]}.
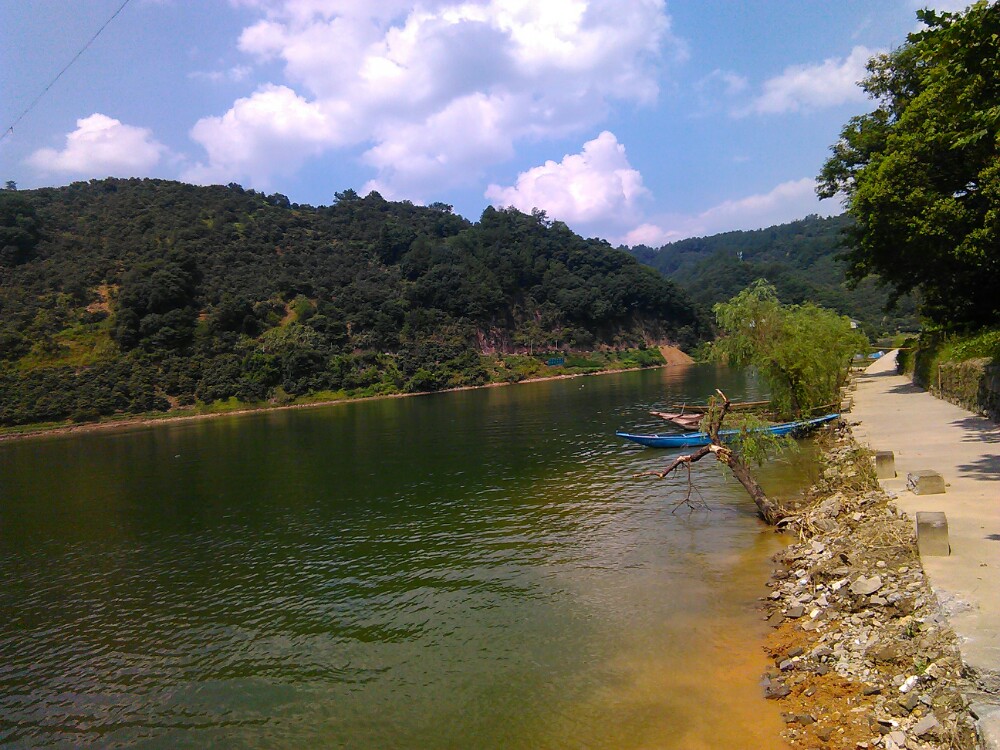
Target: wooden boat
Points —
{"points": [[687, 421], [702, 408], [692, 439]]}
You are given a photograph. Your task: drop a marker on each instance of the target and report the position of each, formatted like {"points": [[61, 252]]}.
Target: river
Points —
{"points": [[475, 569]]}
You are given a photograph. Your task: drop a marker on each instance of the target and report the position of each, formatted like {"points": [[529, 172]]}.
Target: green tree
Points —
{"points": [[19, 230], [803, 351], [921, 173], [156, 304]]}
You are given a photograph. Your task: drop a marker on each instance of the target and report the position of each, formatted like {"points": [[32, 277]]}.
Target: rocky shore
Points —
{"points": [[862, 654]]}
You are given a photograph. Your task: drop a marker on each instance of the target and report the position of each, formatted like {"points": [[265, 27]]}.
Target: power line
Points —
{"points": [[66, 67]]}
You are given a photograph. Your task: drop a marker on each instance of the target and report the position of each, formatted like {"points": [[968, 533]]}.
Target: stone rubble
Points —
{"points": [[863, 656]]}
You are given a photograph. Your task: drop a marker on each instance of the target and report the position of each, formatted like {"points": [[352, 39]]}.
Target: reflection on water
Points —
{"points": [[474, 569]]}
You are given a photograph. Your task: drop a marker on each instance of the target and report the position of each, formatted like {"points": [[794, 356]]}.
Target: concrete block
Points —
{"points": [[988, 724], [932, 534], [925, 482], [846, 405], [885, 464]]}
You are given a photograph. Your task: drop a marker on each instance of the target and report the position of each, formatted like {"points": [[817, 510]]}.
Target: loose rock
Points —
{"points": [[864, 586], [846, 669]]}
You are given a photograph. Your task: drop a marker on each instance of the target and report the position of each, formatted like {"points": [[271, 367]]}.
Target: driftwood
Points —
{"points": [[770, 511]]}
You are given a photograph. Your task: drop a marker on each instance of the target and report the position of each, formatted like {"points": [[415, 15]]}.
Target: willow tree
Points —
{"points": [[802, 351]]}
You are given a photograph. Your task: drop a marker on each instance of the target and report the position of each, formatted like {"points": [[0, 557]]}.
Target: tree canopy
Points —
{"points": [[921, 173], [802, 351], [124, 296], [801, 259]]}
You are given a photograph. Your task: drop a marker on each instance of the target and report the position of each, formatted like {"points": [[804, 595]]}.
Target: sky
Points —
{"points": [[637, 121]]}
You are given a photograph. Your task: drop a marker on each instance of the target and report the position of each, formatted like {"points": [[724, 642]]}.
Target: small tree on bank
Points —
{"points": [[803, 351]]}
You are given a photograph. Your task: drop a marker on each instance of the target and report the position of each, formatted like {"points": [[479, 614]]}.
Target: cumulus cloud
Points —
{"points": [[440, 90], [462, 137], [268, 133], [595, 186], [598, 190], [102, 145], [804, 88], [651, 235], [786, 202]]}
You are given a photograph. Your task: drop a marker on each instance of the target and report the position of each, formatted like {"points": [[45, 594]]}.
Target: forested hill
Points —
{"points": [[799, 258], [122, 296]]}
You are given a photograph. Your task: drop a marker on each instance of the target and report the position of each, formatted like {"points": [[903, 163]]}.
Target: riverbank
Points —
{"points": [[179, 415], [863, 656]]}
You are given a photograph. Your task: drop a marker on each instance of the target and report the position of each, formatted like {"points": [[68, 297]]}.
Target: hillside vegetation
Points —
{"points": [[801, 259], [126, 296]]}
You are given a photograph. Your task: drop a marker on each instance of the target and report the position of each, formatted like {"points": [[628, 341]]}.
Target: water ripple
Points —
{"points": [[323, 578]]}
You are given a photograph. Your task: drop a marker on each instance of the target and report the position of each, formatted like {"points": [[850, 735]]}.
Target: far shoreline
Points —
{"points": [[60, 429]]}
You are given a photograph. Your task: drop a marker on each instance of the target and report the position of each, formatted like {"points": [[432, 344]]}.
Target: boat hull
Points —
{"points": [[694, 439]]}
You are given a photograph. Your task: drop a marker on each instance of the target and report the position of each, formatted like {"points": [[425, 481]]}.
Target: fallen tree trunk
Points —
{"points": [[768, 510]]}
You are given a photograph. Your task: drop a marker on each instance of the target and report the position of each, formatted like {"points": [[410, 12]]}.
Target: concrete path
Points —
{"points": [[927, 433]]}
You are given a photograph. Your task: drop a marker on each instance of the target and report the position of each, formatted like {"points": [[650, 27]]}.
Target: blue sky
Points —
{"points": [[633, 120]]}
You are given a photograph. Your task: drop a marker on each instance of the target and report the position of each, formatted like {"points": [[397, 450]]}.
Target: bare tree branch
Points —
{"points": [[770, 511]]}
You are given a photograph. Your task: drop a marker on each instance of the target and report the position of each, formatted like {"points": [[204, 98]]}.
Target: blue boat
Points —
{"points": [[692, 439]]}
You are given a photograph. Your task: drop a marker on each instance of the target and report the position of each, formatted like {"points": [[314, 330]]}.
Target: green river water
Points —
{"points": [[474, 569]]}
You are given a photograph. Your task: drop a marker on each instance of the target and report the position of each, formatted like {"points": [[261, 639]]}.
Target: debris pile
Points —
{"points": [[863, 656]]}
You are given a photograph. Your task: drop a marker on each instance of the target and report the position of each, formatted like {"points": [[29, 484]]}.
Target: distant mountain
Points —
{"points": [[123, 296], [799, 258]]}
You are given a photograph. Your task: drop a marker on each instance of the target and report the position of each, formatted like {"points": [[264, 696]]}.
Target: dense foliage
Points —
{"points": [[803, 351], [800, 259], [124, 296], [921, 173]]}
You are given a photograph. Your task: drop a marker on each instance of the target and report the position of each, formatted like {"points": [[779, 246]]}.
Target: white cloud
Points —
{"points": [[596, 186], [803, 88], [463, 136], [268, 133], [235, 74], [722, 82], [104, 146], [717, 91], [442, 90], [786, 202], [651, 235]]}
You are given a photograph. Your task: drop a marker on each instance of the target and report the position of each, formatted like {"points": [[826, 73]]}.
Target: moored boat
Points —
{"points": [[733, 406], [686, 421], [693, 439]]}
